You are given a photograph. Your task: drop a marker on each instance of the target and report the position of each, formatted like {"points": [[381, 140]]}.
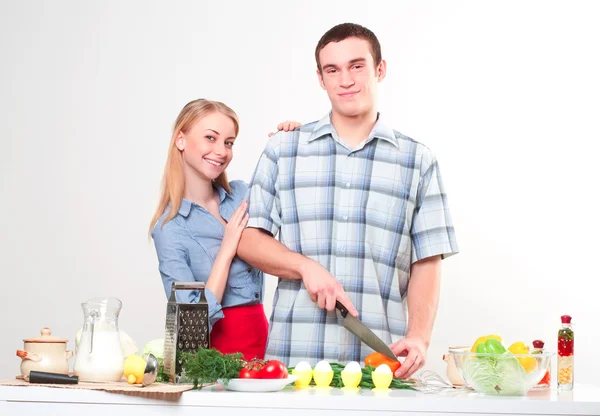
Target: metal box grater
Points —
{"points": [[186, 328]]}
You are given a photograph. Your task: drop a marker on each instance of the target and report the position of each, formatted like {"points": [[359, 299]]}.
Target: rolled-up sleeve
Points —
{"points": [[432, 231], [173, 264], [264, 205]]}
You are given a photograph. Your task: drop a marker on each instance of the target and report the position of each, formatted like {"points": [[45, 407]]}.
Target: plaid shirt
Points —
{"points": [[365, 214]]}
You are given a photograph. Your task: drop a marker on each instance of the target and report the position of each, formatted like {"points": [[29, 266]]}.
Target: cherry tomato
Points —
{"points": [[248, 373], [273, 369], [376, 359]]}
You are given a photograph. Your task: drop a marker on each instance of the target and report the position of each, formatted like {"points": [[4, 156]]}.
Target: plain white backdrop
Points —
{"points": [[506, 94]]}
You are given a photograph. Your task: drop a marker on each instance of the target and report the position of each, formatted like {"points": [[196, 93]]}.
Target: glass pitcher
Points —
{"points": [[98, 356]]}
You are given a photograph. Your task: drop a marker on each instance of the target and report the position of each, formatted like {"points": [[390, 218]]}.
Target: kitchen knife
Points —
{"points": [[363, 333], [42, 377]]}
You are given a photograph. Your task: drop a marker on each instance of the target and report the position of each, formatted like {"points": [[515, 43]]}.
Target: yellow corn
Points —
{"points": [[565, 375]]}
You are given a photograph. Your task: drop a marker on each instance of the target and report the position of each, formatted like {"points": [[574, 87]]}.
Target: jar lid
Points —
{"points": [[565, 319], [46, 337]]}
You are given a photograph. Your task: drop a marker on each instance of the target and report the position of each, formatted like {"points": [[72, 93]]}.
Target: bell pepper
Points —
{"points": [[375, 359], [490, 346], [483, 339], [528, 363]]}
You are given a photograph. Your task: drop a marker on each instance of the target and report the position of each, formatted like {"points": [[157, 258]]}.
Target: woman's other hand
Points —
{"points": [[233, 230]]}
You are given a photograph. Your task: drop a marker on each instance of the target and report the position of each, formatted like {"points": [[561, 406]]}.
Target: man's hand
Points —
{"points": [[423, 297], [279, 261], [415, 350], [323, 288]]}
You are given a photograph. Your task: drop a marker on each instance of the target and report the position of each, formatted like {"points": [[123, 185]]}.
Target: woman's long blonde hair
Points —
{"points": [[173, 182]]}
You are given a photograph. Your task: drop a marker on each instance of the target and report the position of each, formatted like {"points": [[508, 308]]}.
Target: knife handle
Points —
{"points": [[41, 377], [341, 308]]}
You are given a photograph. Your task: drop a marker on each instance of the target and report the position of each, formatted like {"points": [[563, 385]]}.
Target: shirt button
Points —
{"points": [[256, 295], [343, 249], [249, 269], [347, 184], [345, 217]]}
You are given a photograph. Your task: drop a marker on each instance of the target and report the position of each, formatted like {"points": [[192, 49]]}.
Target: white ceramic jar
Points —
{"points": [[45, 353]]}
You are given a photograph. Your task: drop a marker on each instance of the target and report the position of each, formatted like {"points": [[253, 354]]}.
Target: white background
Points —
{"points": [[505, 93]]}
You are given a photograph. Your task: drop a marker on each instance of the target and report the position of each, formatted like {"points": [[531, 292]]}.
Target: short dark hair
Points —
{"points": [[348, 30]]}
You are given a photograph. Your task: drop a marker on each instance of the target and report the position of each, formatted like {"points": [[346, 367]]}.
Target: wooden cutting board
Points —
{"points": [[155, 390]]}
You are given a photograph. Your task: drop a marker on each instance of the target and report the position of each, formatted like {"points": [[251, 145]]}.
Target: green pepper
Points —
{"points": [[490, 346]]}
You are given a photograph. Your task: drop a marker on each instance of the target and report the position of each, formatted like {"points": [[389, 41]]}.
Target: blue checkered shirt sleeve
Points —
{"points": [[432, 232], [264, 205]]}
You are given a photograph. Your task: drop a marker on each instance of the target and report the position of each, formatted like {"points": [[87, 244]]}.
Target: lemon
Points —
{"points": [[528, 363], [133, 369]]}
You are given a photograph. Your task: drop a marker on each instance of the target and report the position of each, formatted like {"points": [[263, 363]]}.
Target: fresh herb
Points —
{"points": [[367, 378], [206, 366], [566, 333], [161, 376]]}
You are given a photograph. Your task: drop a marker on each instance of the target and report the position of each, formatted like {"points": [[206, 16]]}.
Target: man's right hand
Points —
{"points": [[279, 261], [323, 288]]}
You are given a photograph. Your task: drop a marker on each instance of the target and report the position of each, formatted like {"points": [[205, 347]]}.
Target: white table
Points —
{"points": [[15, 401]]}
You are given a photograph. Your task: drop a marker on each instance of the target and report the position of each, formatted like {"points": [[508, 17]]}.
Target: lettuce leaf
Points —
{"points": [[502, 374]]}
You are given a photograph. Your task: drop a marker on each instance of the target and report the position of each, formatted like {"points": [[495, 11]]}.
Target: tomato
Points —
{"points": [[248, 373], [546, 379], [273, 369], [251, 368], [376, 359]]}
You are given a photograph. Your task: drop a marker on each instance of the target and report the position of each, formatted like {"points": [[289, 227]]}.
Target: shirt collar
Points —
{"points": [[186, 205], [222, 192], [380, 130]]}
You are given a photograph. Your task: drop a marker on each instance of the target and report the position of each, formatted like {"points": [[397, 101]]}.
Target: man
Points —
{"points": [[361, 215]]}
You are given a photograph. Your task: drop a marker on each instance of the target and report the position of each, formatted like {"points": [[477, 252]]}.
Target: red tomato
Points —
{"points": [[248, 373], [273, 369]]}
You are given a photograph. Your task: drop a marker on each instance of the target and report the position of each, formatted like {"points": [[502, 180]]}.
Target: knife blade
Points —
{"points": [[363, 333]]}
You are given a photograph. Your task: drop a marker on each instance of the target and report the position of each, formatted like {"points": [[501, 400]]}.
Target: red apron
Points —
{"points": [[243, 329]]}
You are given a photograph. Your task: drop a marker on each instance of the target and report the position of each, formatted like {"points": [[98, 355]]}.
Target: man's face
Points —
{"points": [[349, 76]]}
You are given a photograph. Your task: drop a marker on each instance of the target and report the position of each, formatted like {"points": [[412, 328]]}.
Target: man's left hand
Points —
{"points": [[415, 350]]}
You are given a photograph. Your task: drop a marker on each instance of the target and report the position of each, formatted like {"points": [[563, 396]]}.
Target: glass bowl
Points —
{"points": [[501, 374]]}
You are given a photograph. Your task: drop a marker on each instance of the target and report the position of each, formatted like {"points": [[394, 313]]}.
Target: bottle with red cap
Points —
{"points": [[538, 348], [565, 354]]}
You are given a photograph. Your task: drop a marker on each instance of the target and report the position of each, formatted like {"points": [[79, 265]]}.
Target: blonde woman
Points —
{"points": [[198, 223]]}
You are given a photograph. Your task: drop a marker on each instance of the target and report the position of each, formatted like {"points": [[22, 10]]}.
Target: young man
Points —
{"points": [[361, 215]]}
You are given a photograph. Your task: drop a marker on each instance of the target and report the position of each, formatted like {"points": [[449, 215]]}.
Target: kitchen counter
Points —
{"points": [[15, 401]]}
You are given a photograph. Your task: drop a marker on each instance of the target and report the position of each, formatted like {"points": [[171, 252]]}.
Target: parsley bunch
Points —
{"points": [[206, 366]]}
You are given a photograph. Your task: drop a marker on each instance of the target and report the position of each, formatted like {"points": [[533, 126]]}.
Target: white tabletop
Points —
{"points": [[583, 400]]}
